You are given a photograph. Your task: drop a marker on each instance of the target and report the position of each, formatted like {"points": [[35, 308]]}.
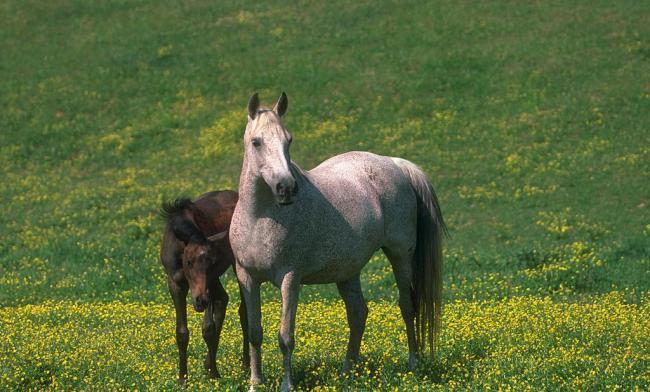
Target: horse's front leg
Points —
{"points": [[213, 319], [290, 292], [243, 320], [178, 293], [250, 290]]}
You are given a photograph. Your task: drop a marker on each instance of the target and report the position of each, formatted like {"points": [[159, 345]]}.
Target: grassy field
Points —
{"points": [[531, 118]]}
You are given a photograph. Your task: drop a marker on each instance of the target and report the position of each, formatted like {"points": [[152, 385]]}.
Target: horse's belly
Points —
{"points": [[335, 269]]}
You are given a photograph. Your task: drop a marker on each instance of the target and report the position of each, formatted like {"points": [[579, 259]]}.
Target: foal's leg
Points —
{"points": [[250, 290], [215, 313], [401, 263], [179, 294], [357, 312], [209, 336], [290, 290]]}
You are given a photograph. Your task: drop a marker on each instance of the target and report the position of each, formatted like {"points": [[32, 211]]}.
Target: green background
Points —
{"points": [[531, 118]]}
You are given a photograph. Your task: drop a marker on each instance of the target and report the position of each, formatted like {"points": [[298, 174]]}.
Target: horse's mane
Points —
{"points": [[173, 208], [174, 213], [296, 170]]}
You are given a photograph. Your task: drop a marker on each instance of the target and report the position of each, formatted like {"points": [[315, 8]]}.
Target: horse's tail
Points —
{"points": [[427, 260]]}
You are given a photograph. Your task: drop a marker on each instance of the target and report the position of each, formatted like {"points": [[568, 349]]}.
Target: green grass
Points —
{"points": [[532, 120]]}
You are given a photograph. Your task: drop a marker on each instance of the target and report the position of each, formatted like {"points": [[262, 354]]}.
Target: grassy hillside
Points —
{"points": [[532, 120]]}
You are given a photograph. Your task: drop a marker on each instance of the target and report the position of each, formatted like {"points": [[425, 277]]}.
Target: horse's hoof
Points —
{"points": [[257, 380], [413, 362], [286, 386], [181, 381]]}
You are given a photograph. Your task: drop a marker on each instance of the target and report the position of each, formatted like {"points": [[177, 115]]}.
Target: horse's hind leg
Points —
{"points": [[213, 318], [357, 312], [401, 261]]}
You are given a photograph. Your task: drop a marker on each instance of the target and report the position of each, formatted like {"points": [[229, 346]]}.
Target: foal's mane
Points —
{"points": [[176, 213]]}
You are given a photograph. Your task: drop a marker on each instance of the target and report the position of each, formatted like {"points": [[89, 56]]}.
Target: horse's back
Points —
{"points": [[370, 191], [371, 177], [218, 206]]}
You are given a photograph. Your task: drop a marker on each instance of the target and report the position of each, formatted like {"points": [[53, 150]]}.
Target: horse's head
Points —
{"points": [[200, 262], [266, 144]]}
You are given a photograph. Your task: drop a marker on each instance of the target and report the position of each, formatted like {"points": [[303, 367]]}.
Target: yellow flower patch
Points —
{"points": [[523, 343]]}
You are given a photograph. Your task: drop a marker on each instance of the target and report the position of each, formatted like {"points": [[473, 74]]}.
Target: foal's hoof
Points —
{"points": [[213, 374], [212, 370], [246, 364], [345, 369], [348, 365]]}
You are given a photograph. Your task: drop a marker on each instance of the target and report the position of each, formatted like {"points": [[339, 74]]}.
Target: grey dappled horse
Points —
{"points": [[293, 227]]}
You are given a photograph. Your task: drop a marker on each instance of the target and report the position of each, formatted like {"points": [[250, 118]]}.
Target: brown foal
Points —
{"points": [[195, 252]]}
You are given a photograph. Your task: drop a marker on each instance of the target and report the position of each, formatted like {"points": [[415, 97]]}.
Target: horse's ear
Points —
{"points": [[253, 105], [281, 106], [219, 236]]}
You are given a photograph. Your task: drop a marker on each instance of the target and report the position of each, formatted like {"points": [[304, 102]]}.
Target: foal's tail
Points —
{"points": [[427, 261]]}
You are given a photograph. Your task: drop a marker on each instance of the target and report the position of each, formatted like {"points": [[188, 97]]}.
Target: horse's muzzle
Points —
{"points": [[285, 191]]}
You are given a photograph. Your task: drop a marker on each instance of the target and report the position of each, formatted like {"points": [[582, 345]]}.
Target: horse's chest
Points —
{"points": [[259, 242]]}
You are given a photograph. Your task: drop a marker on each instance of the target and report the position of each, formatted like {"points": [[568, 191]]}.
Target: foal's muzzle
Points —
{"points": [[199, 303]]}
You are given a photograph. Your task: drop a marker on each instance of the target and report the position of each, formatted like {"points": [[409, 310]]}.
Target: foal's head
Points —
{"points": [[266, 144], [200, 266], [203, 256]]}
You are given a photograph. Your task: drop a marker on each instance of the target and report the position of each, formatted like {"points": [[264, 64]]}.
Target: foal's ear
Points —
{"points": [[219, 236], [253, 105], [281, 106], [186, 231]]}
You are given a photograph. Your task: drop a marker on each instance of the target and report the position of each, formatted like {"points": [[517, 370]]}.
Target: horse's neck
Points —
{"points": [[253, 191]]}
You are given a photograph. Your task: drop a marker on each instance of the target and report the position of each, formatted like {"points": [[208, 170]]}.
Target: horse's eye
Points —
{"points": [[189, 264], [256, 142]]}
